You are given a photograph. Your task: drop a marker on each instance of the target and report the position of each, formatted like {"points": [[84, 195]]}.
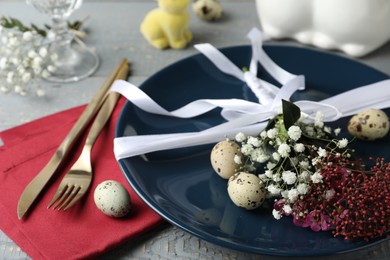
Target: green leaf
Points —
{"points": [[39, 31], [5, 23], [291, 113], [19, 24]]}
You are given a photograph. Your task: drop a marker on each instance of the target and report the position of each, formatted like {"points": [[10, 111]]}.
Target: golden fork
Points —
{"points": [[77, 180]]}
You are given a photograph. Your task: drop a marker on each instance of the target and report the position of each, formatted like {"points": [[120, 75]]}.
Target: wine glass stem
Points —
{"points": [[62, 39]]}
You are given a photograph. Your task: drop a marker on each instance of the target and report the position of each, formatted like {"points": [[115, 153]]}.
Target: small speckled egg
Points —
{"points": [[370, 124], [222, 158], [246, 191], [208, 10], [112, 199]]}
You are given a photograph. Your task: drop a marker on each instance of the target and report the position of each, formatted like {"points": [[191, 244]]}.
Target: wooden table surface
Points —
{"points": [[113, 27]]}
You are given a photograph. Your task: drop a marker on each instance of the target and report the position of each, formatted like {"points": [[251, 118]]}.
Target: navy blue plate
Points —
{"points": [[180, 184]]}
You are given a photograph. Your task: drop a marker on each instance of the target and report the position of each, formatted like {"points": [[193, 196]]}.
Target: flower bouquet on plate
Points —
{"points": [[311, 175]]}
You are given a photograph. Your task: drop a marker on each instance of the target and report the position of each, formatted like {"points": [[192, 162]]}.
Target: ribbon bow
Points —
{"points": [[242, 115]]}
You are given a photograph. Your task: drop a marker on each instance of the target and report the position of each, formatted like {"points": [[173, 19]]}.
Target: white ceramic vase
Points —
{"points": [[355, 27]]}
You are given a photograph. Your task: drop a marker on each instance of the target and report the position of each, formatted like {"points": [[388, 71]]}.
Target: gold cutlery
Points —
{"points": [[35, 187], [78, 179]]}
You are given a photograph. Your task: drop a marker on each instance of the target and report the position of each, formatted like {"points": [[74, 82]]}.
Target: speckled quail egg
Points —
{"points": [[223, 158], [208, 10], [112, 199], [370, 124], [246, 191]]}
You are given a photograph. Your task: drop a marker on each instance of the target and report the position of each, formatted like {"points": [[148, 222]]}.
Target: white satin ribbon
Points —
{"points": [[264, 91], [242, 115]]}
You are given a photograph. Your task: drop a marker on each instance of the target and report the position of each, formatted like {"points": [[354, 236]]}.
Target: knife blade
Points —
{"points": [[38, 183]]}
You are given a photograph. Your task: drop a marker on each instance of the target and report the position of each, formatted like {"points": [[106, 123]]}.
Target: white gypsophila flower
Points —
{"points": [[15, 61], [287, 209], [276, 156], [4, 89], [18, 89], [337, 131], [293, 195], [263, 134], [284, 150], [32, 54], [18, 55], [277, 214], [278, 141], [294, 132], [322, 152], [21, 70], [289, 177], [304, 164], [258, 155], [271, 165], [27, 36], [13, 41], [309, 130], [327, 129], [274, 190], [40, 92], [45, 74], [3, 63], [37, 61], [237, 159], [43, 52], [246, 149], [304, 176], [10, 77], [319, 119], [240, 137], [268, 173], [299, 147], [316, 161], [342, 143], [272, 133], [316, 177], [51, 68], [254, 141], [329, 194], [26, 77], [302, 188], [284, 194], [276, 177]]}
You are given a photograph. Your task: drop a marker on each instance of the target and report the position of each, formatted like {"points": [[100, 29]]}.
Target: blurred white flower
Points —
{"points": [[316, 177], [27, 36], [294, 132], [284, 150], [343, 143], [43, 52], [289, 177]]}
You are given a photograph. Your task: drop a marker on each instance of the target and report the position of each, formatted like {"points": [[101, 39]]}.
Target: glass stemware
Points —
{"points": [[74, 61]]}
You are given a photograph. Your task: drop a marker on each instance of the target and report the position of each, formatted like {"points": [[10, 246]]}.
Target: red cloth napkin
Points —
{"points": [[82, 231]]}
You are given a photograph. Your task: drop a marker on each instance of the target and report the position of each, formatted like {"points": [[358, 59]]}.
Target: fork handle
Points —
{"points": [[101, 119], [104, 113]]}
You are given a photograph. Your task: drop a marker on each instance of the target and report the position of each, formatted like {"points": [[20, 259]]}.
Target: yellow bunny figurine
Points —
{"points": [[167, 26]]}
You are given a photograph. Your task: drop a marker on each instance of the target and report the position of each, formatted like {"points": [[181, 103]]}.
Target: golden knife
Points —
{"points": [[35, 187]]}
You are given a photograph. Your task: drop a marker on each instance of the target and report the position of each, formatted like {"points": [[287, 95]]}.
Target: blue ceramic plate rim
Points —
{"points": [[148, 195]]}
